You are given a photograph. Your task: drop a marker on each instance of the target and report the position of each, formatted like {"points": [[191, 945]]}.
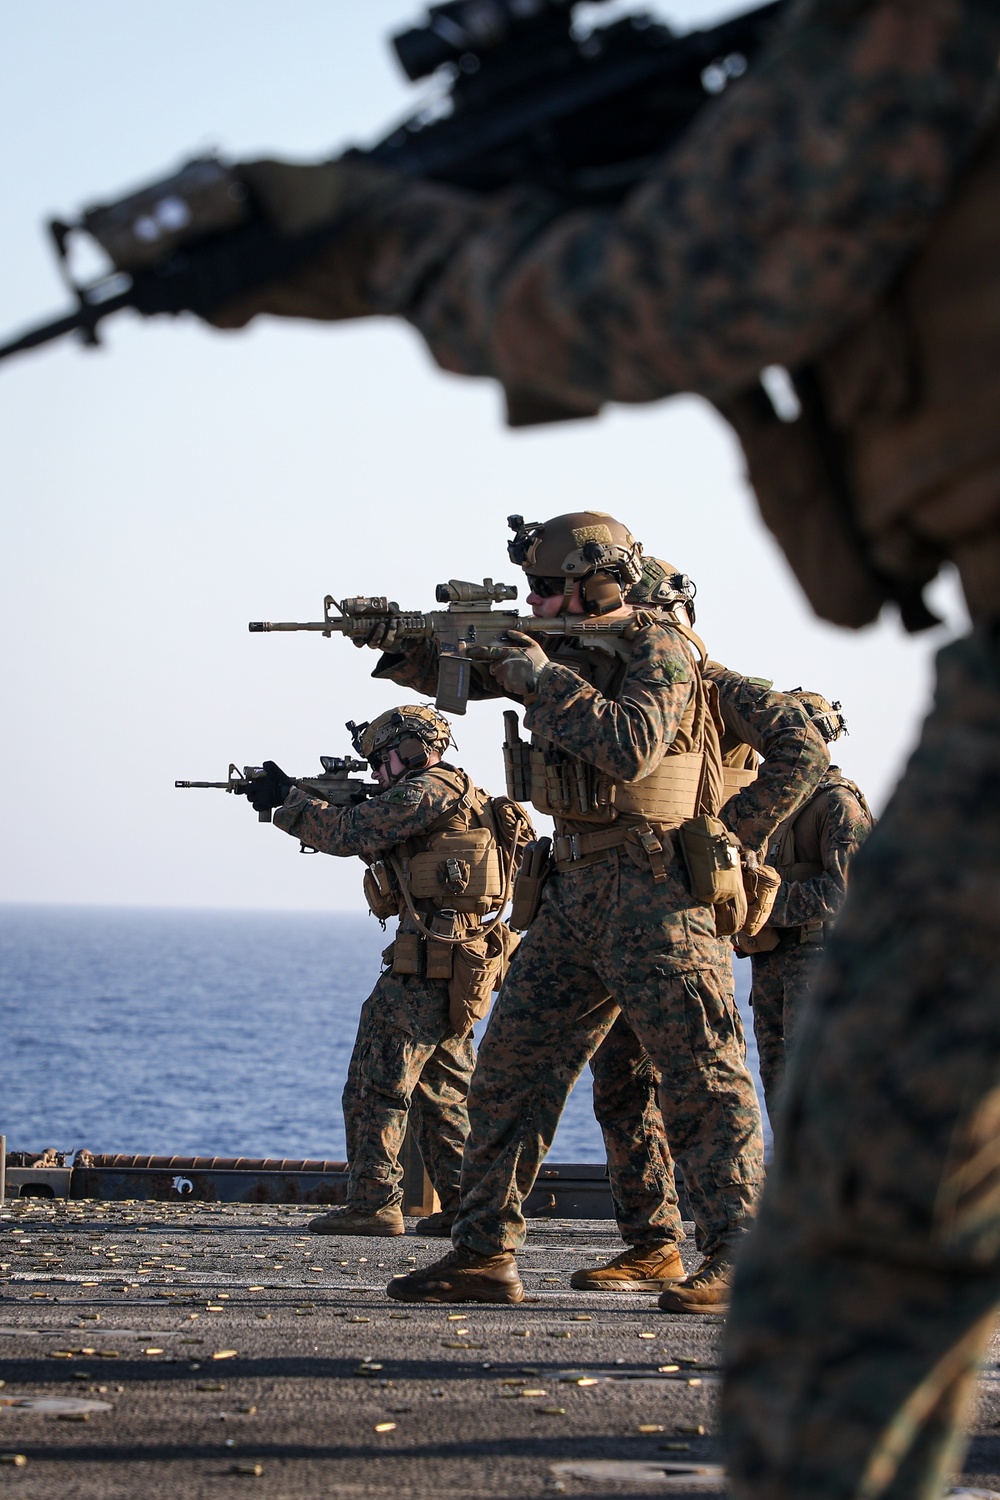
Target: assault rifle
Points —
{"points": [[469, 630], [336, 785], [524, 97]]}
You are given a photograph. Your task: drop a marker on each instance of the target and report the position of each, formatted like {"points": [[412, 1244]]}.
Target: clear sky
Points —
{"points": [[162, 491]]}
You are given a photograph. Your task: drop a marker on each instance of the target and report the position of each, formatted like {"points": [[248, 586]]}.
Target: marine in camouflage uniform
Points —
{"points": [[618, 930], [833, 214], [757, 722], [812, 851], [408, 1061]]}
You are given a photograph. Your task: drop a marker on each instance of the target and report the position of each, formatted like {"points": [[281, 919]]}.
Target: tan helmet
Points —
{"points": [[662, 586], [826, 716], [415, 731], [585, 544]]}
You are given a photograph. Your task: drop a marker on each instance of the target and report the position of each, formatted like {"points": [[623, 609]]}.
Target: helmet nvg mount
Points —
{"points": [[588, 545], [662, 586], [415, 731], [826, 716]]}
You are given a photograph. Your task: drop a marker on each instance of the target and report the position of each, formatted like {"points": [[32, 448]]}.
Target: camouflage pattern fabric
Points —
{"points": [[415, 805], [640, 1167], [607, 937], [746, 246], [864, 1298], [626, 1084], [783, 977], [657, 689], [405, 1055], [782, 982], [406, 1060]]}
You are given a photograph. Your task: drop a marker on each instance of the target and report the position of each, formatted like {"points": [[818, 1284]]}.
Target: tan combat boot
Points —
{"points": [[461, 1276], [705, 1290], [641, 1268], [370, 1221], [439, 1225]]}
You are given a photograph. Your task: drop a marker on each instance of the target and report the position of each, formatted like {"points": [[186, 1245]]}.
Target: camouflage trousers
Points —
{"points": [[782, 981], [405, 1058], [640, 1167], [865, 1295], [607, 937]]}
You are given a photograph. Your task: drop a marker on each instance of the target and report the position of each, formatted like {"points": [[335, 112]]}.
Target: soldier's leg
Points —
{"points": [[551, 1015], [441, 1117], [640, 1167], [398, 1030], [767, 999], [859, 1302], [674, 980]]}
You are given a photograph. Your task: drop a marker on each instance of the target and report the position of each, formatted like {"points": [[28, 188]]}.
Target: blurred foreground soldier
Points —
{"points": [[440, 854], [624, 751], [812, 852], [834, 215]]}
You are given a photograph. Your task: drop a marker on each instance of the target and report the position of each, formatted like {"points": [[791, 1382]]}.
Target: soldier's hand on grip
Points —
{"points": [[384, 636], [517, 670], [265, 793]]}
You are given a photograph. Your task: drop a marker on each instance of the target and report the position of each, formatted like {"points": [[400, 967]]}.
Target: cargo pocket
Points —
{"points": [[386, 1067], [699, 1005]]}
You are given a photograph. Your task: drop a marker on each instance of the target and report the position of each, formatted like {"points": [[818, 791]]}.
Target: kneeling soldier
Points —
{"points": [[441, 854]]}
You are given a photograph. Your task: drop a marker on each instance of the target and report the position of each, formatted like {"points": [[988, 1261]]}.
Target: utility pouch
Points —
{"points": [[712, 856], [536, 865], [440, 956], [406, 953], [383, 903], [460, 871], [516, 759], [479, 968], [762, 884]]}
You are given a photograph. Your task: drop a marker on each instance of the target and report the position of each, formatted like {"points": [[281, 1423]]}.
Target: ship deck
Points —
{"points": [[202, 1350]]}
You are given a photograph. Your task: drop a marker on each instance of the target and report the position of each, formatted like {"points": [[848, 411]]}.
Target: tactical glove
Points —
{"points": [[383, 637], [297, 200], [267, 792], [518, 667]]}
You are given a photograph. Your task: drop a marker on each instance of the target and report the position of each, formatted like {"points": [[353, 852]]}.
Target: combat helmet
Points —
{"points": [[826, 716], [415, 731], [662, 586], [585, 544]]}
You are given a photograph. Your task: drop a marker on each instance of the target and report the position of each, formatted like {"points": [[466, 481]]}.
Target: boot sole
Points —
{"points": [[620, 1286], [505, 1295], [698, 1307], [382, 1232]]}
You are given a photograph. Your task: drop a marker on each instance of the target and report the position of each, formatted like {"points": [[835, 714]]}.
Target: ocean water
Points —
{"points": [[196, 1032]]}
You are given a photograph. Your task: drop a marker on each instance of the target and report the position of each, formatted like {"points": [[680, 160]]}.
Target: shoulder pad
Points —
{"points": [[762, 682]]}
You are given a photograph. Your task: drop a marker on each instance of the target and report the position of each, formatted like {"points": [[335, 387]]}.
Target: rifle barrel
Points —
{"points": [[259, 627], [79, 321], [215, 786]]}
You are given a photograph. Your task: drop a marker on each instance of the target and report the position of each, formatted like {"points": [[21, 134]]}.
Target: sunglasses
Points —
{"points": [[546, 588]]}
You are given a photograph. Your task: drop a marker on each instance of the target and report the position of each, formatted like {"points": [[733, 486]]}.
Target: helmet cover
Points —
{"points": [[826, 716], [575, 545], [392, 729]]}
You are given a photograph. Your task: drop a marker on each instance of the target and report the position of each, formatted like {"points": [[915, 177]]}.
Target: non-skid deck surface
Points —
{"points": [[212, 1351]]}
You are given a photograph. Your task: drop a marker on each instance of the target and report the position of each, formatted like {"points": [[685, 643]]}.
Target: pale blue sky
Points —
{"points": [[161, 492]]}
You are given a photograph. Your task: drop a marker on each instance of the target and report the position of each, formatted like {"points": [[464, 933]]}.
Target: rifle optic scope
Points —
{"points": [[457, 591], [468, 28]]}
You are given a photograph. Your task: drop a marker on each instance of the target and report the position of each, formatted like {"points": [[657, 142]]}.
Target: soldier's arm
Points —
{"points": [[843, 828], [626, 737], [415, 666], [776, 223], [795, 753], [409, 808]]}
